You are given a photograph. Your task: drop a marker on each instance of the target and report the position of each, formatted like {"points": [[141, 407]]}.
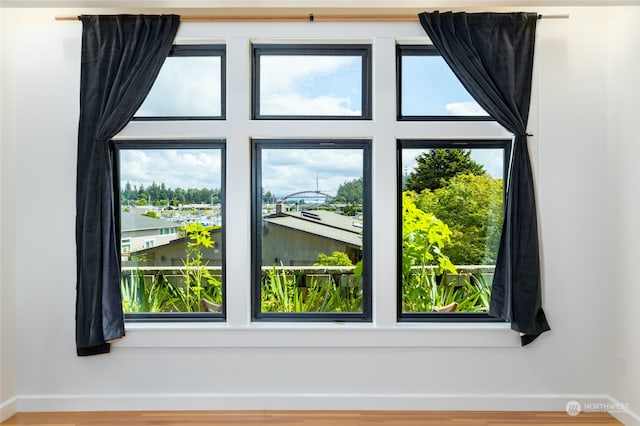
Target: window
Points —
{"points": [[451, 210], [429, 90], [171, 223], [191, 85], [311, 81], [313, 181], [311, 217]]}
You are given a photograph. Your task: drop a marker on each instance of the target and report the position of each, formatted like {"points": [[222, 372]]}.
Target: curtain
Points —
{"points": [[121, 58], [492, 56]]}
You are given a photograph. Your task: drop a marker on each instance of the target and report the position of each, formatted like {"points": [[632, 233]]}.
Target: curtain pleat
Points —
{"points": [[492, 56], [121, 58]]}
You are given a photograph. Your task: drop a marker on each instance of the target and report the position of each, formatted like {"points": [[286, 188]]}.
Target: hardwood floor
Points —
{"points": [[307, 418]]}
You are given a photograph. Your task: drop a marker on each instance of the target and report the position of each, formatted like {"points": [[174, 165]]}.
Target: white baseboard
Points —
{"points": [[625, 416], [8, 408], [158, 402]]}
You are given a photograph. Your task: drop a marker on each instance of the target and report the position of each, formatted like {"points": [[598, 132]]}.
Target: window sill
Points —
{"points": [[315, 335]]}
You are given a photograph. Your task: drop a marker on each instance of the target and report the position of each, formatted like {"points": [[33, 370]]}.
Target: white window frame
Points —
{"points": [[383, 129]]}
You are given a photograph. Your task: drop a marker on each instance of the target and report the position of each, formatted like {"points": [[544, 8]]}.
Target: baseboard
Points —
{"points": [[623, 414], [158, 402], [8, 408]]}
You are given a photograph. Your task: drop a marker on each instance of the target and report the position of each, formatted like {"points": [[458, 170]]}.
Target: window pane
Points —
{"points": [[187, 86], [429, 88], [312, 225], [452, 209], [171, 229], [319, 82]]}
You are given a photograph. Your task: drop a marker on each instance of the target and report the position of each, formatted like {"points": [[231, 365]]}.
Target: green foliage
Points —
{"points": [[337, 258], [196, 275], [423, 238], [151, 214], [282, 292], [472, 206], [436, 167], [142, 293], [426, 270], [350, 192], [425, 292], [160, 195]]}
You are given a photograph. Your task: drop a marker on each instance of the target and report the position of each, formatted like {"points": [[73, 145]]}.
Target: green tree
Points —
{"points": [[151, 214], [337, 258], [471, 205], [437, 166], [350, 192]]}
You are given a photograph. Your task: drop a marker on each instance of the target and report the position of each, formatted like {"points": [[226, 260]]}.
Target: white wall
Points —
{"points": [[440, 368], [623, 360], [7, 233]]}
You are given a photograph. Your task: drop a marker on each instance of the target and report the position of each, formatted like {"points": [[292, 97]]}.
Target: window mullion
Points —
{"points": [[238, 183], [384, 183]]}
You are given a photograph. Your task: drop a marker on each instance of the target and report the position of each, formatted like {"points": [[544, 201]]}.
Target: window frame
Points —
{"points": [[363, 50], [256, 235], [198, 50], [117, 145], [423, 50], [470, 143]]}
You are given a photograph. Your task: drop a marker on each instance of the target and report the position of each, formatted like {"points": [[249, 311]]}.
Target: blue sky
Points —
{"points": [[290, 85]]}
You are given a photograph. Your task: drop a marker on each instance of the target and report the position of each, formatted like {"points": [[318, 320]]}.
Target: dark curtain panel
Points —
{"points": [[492, 55], [121, 58]]}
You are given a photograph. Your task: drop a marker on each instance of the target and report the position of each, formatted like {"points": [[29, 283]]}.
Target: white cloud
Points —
{"points": [[288, 171], [307, 85], [186, 86], [174, 168], [296, 104], [282, 72], [465, 108]]}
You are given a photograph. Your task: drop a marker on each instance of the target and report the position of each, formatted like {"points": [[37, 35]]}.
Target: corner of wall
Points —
{"points": [[7, 222]]}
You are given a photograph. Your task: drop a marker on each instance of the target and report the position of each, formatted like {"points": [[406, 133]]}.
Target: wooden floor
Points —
{"points": [[307, 418]]}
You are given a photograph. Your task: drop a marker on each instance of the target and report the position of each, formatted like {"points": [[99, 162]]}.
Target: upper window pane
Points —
{"points": [[190, 85], [321, 82], [311, 235], [171, 228], [429, 89]]}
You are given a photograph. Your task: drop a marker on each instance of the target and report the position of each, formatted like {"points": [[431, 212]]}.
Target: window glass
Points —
{"points": [[311, 82], [190, 85], [311, 233], [171, 227], [428, 87], [451, 222]]}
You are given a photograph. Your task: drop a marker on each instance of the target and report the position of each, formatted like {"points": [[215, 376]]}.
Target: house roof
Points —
{"points": [[322, 223], [136, 222]]}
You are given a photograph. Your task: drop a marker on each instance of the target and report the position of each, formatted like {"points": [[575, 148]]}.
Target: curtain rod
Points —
{"points": [[297, 18]]}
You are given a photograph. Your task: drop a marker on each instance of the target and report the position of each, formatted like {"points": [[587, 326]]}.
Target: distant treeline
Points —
{"points": [[160, 195]]}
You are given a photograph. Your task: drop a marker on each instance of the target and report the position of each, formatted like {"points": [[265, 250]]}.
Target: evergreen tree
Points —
{"points": [[436, 167]]}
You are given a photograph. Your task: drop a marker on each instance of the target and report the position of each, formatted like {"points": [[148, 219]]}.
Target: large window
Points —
{"points": [[328, 215], [450, 210], [311, 215], [312, 81], [429, 90], [171, 226], [191, 85]]}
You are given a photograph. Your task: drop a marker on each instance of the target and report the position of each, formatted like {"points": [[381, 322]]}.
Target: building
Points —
{"points": [[140, 232], [296, 238], [585, 152], [173, 252]]}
